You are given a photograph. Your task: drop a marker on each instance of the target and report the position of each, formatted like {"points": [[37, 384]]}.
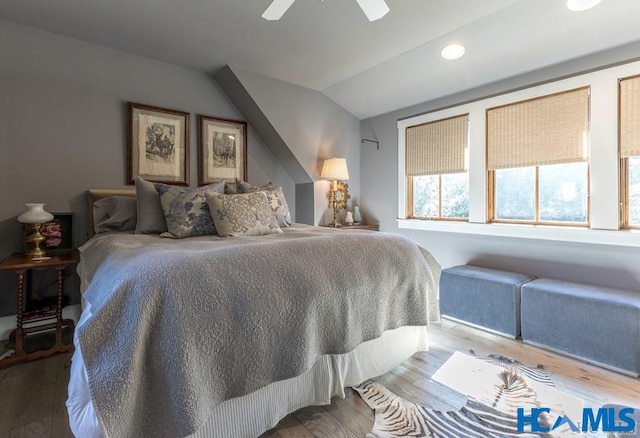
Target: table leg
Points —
{"points": [[59, 307], [19, 310]]}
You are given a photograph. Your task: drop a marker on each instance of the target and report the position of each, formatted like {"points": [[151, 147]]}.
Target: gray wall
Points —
{"points": [[597, 264], [63, 125], [313, 128], [302, 127]]}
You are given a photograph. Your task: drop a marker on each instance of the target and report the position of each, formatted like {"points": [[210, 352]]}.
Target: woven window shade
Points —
{"points": [[437, 147], [545, 130], [630, 117]]}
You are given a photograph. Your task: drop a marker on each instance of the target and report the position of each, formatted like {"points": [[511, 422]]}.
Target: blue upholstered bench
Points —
{"points": [[598, 324], [483, 297]]}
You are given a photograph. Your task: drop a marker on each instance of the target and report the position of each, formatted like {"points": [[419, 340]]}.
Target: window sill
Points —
{"points": [[537, 232]]}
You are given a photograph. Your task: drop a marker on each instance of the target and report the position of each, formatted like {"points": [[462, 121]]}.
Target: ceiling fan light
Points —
{"points": [[453, 51], [581, 5], [276, 9], [373, 9]]}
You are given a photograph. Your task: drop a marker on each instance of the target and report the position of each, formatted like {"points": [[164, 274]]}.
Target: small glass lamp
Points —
{"points": [[34, 217], [335, 169]]}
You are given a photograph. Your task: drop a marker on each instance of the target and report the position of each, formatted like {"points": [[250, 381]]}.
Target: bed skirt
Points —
{"points": [[251, 415]]}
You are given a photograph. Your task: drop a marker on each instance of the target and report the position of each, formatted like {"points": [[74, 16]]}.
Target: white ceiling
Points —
{"points": [[367, 67]]}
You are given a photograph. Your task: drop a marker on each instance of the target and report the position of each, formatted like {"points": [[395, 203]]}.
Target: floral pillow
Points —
{"points": [[246, 214], [186, 209], [276, 198]]}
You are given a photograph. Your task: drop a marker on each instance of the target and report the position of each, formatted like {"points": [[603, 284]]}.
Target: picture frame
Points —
{"points": [[222, 151], [59, 233], [158, 144]]}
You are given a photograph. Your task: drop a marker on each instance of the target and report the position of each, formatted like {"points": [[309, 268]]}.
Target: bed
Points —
{"points": [[222, 337]]}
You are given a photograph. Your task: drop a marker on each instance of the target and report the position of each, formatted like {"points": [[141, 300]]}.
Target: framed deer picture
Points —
{"points": [[158, 144], [223, 150]]}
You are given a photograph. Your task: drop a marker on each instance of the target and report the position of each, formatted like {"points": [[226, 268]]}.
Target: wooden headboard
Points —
{"points": [[96, 194]]}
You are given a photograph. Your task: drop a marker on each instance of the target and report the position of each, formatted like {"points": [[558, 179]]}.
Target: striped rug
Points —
{"points": [[495, 387]]}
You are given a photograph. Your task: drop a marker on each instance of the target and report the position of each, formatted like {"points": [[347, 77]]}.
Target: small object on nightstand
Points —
{"points": [[34, 217], [370, 227], [38, 321], [348, 219], [357, 218]]}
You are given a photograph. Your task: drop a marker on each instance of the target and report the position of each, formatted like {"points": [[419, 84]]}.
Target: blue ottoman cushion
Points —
{"points": [[598, 324], [484, 297]]}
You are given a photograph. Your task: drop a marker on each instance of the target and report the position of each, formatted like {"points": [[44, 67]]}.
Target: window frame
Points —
{"points": [[624, 196], [624, 166], [411, 213], [491, 204], [492, 195], [409, 179]]}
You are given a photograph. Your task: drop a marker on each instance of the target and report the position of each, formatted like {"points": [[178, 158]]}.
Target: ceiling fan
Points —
{"points": [[373, 9]]}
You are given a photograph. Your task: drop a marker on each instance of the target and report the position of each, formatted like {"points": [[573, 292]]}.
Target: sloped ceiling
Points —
{"points": [[369, 68]]}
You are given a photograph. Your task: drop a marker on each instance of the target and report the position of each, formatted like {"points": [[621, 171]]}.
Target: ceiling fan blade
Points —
{"points": [[277, 9], [373, 9]]}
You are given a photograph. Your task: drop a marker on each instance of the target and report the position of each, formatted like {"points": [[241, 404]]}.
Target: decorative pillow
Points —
{"points": [[245, 214], [115, 213], [231, 188], [150, 215], [186, 210], [276, 198], [245, 187]]}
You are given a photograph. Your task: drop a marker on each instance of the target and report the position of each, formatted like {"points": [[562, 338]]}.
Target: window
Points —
{"points": [[537, 160], [629, 119], [436, 169], [589, 178], [632, 192]]}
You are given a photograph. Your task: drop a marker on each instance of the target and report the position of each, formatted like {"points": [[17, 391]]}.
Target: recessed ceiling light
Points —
{"points": [[581, 5], [452, 51]]}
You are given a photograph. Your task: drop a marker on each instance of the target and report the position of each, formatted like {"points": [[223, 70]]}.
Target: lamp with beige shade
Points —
{"points": [[335, 169]]}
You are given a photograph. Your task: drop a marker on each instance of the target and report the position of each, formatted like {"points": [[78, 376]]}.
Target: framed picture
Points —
{"points": [[58, 233], [223, 150], [158, 144]]}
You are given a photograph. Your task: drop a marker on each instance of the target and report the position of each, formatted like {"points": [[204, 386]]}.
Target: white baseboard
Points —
{"points": [[8, 323]]}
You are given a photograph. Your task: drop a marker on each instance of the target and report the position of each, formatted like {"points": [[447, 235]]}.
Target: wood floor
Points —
{"points": [[33, 394]]}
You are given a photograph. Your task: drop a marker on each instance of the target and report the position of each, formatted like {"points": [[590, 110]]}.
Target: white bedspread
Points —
{"points": [[178, 327]]}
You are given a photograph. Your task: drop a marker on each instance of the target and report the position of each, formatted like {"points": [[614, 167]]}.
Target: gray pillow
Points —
{"points": [[115, 213], [276, 198], [231, 188], [150, 215], [186, 210], [246, 214], [245, 187]]}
